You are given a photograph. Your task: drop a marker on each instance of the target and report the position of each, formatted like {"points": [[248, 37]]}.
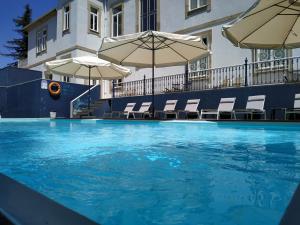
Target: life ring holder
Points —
{"points": [[54, 88]]}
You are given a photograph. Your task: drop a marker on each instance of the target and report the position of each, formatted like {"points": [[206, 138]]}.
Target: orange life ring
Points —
{"points": [[54, 88]]}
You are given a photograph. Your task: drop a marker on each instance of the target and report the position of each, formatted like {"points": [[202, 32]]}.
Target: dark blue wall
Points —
{"points": [[21, 95], [276, 96], [11, 76]]}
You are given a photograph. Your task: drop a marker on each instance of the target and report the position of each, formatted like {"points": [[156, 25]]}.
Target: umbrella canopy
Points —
{"points": [[152, 48], [268, 24], [136, 49], [88, 66]]}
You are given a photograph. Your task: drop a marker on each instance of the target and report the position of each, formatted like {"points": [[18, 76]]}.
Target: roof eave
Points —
{"points": [[41, 20]]}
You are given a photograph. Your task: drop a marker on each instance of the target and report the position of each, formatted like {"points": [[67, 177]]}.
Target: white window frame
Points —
{"points": [[93, 26], [41, 40], [118, 15], [66, 79], [200, 4], [66, 18]]}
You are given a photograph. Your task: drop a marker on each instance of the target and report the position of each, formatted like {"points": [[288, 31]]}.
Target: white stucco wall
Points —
{"points": [[33, 57]]}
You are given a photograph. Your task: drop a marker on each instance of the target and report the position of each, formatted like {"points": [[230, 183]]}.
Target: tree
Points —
{"points": [[18, 47]]}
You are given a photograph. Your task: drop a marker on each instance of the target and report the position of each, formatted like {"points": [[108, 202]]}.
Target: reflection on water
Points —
{"points": [[157, 173]]}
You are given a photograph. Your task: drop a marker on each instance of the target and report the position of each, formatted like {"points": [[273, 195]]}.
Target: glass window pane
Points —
{"points": [[94, 10], [144, 7], [120, 24], [193, 4], [152, 22], [152, 5], [115, 26], [203, 2], [144, 24], [264, 55], [91, 22], [117, 9], [279, 53], [96, 23]]}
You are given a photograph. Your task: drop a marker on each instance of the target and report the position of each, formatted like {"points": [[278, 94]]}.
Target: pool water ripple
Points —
{"points": [[119, 172]]}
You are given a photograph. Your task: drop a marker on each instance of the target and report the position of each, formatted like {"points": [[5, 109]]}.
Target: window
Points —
{"points": [[41, 42], [148, 20], [94, 19], [270, 58], [66, 79], [201, 63], [118, 83], [117, 21], [196, 4], [66, 24]]}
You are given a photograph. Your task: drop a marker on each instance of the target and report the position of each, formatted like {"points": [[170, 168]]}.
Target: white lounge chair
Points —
{"points": [[255, 106], [191, 108], [128, 109], [144, 110], [295, 110], [169, 109], [225, 106]]}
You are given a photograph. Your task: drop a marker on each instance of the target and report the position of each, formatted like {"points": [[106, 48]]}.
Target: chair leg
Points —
{"points": [[234, 115]]}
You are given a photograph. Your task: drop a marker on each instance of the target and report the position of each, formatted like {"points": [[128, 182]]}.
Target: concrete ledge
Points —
{"points": [[21, 205], [292, 213]]}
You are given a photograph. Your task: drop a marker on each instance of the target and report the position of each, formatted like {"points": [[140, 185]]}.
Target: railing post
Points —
{"points": [[113, 88], [186, 77], [246, 72], [144, 85]]}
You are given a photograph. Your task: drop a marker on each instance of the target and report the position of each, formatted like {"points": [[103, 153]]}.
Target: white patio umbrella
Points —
{"points": [[152, 48], [90, 67], [268, 24]]}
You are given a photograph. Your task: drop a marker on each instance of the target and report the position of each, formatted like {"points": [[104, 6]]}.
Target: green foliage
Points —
{"points": [[18, 47]]}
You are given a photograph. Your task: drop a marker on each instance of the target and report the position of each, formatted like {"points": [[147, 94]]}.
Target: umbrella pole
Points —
{"points": [[153, 61], [89, 100]]}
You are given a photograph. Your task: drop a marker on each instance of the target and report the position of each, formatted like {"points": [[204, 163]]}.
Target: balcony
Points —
{"points": [[253, 74]]}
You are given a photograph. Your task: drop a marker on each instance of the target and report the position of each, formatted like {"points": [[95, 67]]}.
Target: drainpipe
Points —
{"points": [[104, 85]]}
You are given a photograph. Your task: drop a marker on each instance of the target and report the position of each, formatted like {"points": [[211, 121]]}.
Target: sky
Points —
{"points": [[12, 9]]}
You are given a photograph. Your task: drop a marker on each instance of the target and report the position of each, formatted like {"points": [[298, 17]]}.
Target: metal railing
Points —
{"points": [[80, 102], [248, 74]]}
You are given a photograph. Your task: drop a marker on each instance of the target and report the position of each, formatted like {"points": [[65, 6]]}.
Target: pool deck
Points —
{"points": [[20, 205]]}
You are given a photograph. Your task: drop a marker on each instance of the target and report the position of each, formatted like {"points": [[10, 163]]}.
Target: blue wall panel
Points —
{"points": [[61, 105], [277, 96], [11, 76], [21, 95]]}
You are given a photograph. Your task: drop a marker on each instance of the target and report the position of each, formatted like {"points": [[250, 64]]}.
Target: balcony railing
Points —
{"points": [[248, 74]]}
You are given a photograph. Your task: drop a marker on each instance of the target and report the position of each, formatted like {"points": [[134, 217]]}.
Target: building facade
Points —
{"points": [[77, 27]]}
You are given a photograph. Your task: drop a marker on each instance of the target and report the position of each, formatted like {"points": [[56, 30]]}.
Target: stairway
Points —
{"points": [[89, 113]]}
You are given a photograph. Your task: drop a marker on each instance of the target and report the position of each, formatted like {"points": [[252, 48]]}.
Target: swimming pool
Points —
{"points": [[134, 172]]}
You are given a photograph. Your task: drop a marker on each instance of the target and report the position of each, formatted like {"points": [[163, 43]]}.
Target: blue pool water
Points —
{"points": [[126, 173]]}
